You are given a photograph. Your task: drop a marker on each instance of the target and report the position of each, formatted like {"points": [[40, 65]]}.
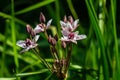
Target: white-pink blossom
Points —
{"points": [[42, 27], [72, 36], [28, 43]]}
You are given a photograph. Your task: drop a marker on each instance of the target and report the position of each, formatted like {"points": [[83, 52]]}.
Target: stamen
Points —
{"points": [[71, 36]]}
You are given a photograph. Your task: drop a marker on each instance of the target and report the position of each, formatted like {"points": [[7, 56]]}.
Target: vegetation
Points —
{"points": [[96, 57]]}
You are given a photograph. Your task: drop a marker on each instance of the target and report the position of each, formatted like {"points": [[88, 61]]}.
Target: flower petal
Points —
{"points": [[21, 43], [65, 33], [63, 24], [38, 29], [74, 41], [36, 38], [24, 50], [76, 33], [49, 23], [79, 37], [75, 24], [69, 26], [34, 45]]}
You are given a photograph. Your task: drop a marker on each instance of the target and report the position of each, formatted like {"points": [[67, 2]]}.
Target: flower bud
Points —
{"points": [[51, 40], [33, 33], [42, 18], [70, 19], [29, 29], [63, 44], [65, 19]]}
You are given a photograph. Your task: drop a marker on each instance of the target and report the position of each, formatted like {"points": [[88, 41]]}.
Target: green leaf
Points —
{"points": [[7, 78], [32, 73], [35, 6], [4, 15]]}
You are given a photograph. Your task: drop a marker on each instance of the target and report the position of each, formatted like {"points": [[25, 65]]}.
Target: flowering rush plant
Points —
{"points": [[69, 37]]}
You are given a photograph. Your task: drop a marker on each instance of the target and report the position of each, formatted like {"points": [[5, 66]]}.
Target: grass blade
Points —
{"points": [[32, 73], [100, 38], [4, 15], [72, 9], [33, 7], [113, 8], [14, 37]]}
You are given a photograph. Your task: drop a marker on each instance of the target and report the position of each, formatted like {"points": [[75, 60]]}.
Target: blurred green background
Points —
{"points": [[95, 58]]}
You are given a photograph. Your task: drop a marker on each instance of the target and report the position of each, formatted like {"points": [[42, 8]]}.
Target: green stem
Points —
{"points": [[4, 15], [94, 20], [4, 47], [113, 7], [43, 60], [14, 36], [53, 53], [68, 57], [72, 9]]}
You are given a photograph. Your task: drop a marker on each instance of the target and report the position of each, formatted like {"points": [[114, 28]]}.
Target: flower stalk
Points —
{"points": [[60, 65]]}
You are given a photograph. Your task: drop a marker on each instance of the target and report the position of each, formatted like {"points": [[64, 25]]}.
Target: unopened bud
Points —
{"points": [[70, 19], [29, 29], [65, 19], [42, 18], [63, 44], [33, 33], [51, 40]]}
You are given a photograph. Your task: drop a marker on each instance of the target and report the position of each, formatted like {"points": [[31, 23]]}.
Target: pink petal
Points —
{"points": [[36, 38], [48, 23], [75, 24], [24, 50], [79, 37], [21, 43], [65, 33], [69, 26], [74, 41], [38, 29], [63, 24]]}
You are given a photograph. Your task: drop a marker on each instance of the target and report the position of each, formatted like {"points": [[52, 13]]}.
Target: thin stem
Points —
{"points": [[68, 57], [54, 53], [43, 60], [46, 34], [14, 36], [72, 9], [5, 48]]}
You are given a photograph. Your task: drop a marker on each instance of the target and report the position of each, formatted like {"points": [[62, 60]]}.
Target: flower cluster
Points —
{"points": [[68, 28], [28, 43], [69, 36]]}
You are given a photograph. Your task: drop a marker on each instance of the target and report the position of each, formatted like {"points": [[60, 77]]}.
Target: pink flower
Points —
{"points": [[69, 25], [30, 30], [72, 36], [42, 27], [28, 44]]}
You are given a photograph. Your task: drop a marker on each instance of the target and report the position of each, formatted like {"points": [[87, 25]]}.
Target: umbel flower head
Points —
{"points": [[28, 43], [68, 27]]}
